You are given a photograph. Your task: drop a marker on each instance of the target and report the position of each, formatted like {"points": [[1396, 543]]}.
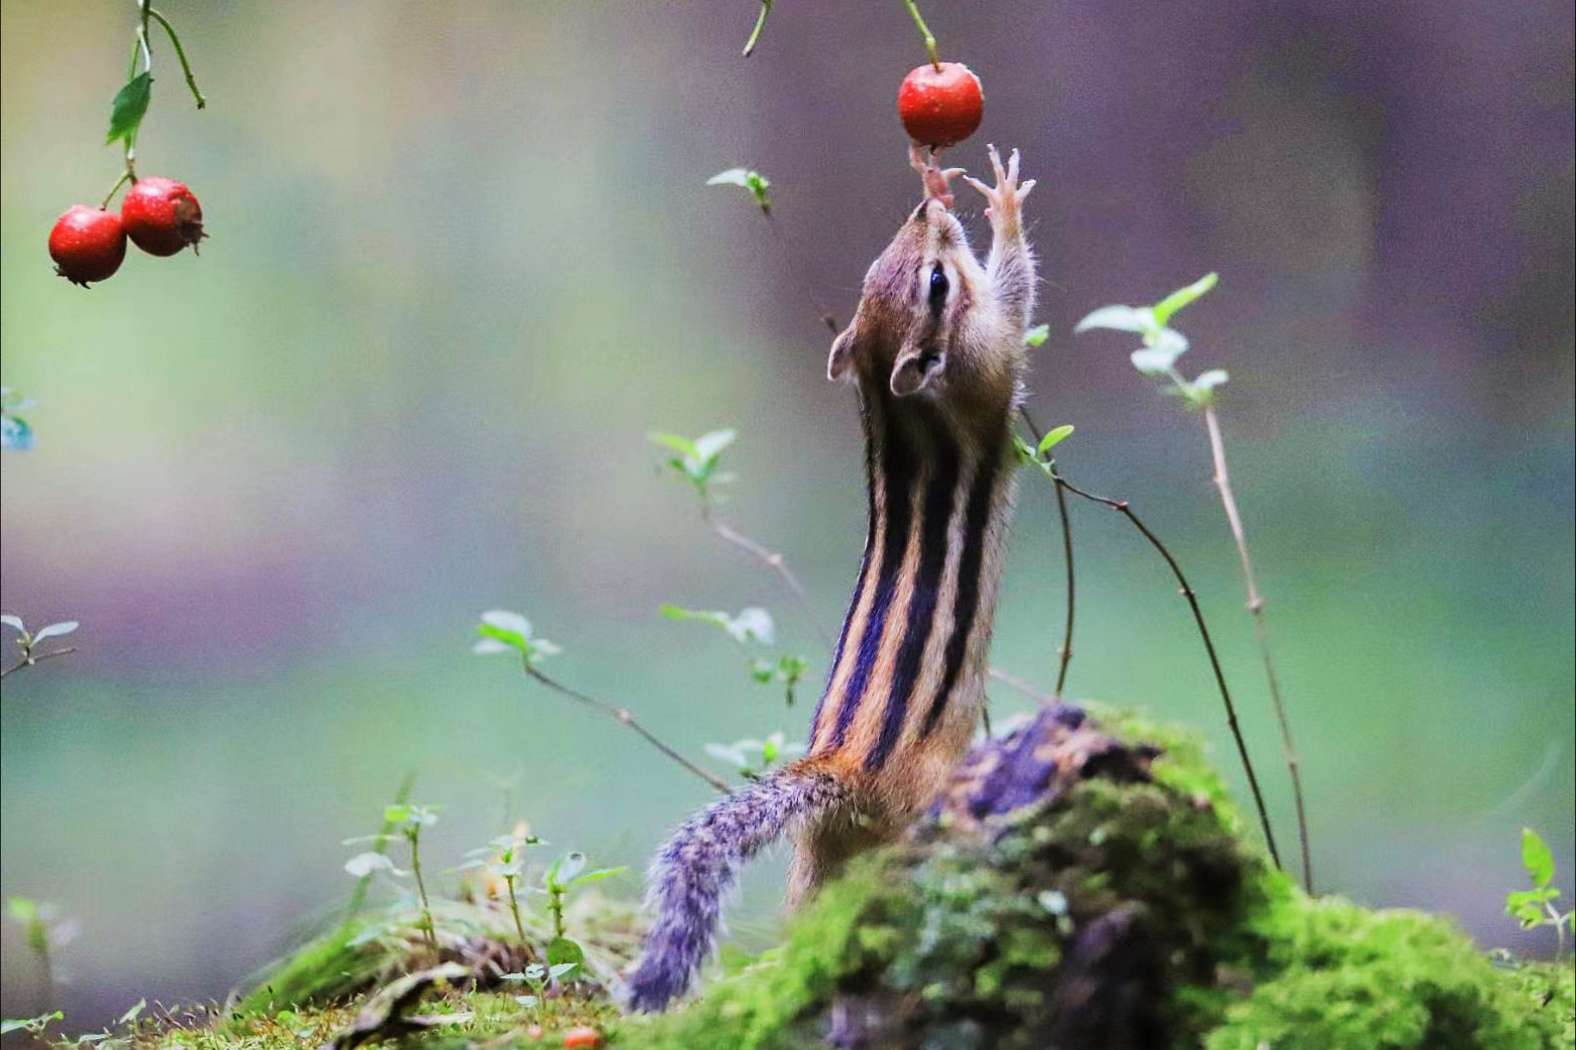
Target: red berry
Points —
{"points": [[87, 244], [161, 216], [582, 1037], [940, 107]]}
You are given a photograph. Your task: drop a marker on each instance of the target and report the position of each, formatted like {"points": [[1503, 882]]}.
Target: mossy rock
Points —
{"points": [[1076, 887], [1117, 905]]}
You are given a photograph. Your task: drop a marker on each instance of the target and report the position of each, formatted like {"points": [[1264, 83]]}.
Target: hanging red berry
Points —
{"points": [[161, 216], [87, 244], [940, 107]]}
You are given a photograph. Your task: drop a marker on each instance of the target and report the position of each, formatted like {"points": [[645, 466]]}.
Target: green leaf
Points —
{"points": [[562, 970], [1155, 360], [1165, 308], [682, 445], [596, 876], [1024, 451], [572, 864], [562, 951], [710, 445], [128, 109], [32, 1024], [1537, 858], [1211, 379], [749, 179], [1055, 436], [1037, 335], [135, 1012], [1118, 319], [23, 909]]}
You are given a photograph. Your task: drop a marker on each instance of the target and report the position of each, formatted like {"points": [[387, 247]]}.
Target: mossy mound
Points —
{"points": [[1118, 908], [1075, 887]]}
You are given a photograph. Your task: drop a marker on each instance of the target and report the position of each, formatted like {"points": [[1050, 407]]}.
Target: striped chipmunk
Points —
{"points": [[936, 353]]}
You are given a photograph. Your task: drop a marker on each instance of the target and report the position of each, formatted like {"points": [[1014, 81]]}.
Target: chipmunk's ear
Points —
{"points": [[841, 359]]}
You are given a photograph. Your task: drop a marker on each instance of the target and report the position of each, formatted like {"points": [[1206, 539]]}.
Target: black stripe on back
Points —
{"points": [[968, 597], [864, 563], [899, 470], [937, 513]]}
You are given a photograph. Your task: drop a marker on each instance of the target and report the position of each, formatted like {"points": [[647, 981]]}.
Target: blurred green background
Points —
{"points": [[463, 259]]}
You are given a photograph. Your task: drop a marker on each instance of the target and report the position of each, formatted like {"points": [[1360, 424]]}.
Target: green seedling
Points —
{"points": [[406, 820], [504, 858], [539, 979], [563, 875], [1535, 907]]}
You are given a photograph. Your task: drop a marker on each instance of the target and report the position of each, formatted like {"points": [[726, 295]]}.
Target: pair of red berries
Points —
{"points": [[159, 215]]}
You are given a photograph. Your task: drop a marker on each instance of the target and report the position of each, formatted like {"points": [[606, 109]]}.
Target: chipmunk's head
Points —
{"points": [[927, 323]]}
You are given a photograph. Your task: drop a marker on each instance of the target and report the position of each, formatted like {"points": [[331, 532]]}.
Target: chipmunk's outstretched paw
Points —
{"points": [[1003, 199], [935, 178]]}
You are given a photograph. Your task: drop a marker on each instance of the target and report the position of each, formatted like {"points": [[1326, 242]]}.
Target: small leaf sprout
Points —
{"points": [[28, 641]]}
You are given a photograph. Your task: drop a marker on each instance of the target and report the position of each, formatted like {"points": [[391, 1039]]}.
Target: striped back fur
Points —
{"points": [[695, 870]]}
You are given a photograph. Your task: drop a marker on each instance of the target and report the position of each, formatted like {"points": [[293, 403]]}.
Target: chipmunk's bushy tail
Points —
{"points": [[694, 871]]}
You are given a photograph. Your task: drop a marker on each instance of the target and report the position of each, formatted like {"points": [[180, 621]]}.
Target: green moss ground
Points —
{"points": [[1119, 915]]}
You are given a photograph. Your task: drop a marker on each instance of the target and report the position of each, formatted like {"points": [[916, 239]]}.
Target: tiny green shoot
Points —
{"points": [[28, 641], [563, 875], [1535, 907], [757, 185]]}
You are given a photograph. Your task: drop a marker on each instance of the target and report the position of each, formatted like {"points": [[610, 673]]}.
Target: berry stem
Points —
{"points": [[760, 24], [180, 53], [924, 31], [125, 177]]}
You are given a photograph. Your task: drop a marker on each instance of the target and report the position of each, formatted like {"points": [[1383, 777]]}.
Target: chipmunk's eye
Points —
{"points": [[938, 287]]}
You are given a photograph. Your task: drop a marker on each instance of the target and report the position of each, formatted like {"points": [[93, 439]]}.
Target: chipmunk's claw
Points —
{"points": [[1002, 199], [936, 179]]}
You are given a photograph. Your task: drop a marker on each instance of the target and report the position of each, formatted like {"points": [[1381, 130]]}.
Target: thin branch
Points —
{"points": [[772, 560], [1261, 634], [825, 316], [37, 658], [624, 717], [1122, 507], [1022, 685], [1065, 656]]}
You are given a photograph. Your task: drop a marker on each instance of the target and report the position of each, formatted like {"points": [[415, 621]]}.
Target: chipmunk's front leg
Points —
{"points": [[1011, 263]]}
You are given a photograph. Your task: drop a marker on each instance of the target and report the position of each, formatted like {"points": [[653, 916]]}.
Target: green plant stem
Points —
{"points": [[624, 717], [1122, 507], [514, 907], [924, 31], [1065, 654], [760, 24], [180, 53], [380, 845], [771, 559], [125, 176], [555, 904], [1261, 633], [421, 888]]}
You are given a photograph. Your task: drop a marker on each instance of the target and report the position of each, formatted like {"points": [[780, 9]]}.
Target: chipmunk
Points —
{"points": [[936, 353]]}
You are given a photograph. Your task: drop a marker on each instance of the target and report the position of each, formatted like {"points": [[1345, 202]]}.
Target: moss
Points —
{"points": [[1336, 974], [1121, 903]]}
